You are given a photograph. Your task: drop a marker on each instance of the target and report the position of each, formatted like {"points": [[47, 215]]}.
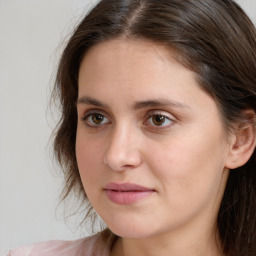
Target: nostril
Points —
{"points": [[122, 160]]}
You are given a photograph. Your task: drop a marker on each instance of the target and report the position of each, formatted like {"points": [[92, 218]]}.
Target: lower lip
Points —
{"points": [[127, 197]]}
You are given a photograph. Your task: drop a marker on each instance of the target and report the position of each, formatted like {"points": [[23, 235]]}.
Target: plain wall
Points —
{"points": [[30, 32]]}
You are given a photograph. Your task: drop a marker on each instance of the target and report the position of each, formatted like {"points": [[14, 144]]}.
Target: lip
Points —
{"points": [[126, 193]]}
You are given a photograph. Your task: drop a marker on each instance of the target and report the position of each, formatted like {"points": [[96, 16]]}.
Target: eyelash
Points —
{"points": [[149, 121], [89, 115], [162, 116]]}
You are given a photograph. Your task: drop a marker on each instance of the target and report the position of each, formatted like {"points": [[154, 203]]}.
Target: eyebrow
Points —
{"points": [[137, 105], [158, 103], [91, 101]]}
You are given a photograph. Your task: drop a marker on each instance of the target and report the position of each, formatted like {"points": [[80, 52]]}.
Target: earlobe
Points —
{"points": [[242, 144]]}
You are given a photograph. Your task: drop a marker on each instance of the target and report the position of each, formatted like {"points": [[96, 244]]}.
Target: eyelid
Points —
{"points": [[86, 115], [165, 114], [161, 113], [93, 111]]}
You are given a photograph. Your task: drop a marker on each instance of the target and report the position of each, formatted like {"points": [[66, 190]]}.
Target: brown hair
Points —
{"points": [[216, 39]]}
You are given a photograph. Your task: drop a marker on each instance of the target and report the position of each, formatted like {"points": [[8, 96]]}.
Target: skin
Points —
{"points": [[184, 159]]}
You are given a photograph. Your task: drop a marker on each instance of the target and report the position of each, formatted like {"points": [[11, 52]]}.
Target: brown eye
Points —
{"points": [[158, 120], [97, 118]]}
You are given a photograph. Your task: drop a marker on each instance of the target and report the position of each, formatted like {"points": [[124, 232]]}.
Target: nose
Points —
{"points": [[123, 151]]}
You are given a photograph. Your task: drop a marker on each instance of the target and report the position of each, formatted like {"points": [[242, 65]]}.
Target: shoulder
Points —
{"points": [[94, 245]]}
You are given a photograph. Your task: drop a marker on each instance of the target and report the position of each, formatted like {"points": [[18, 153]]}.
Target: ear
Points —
{"points": [[242, 142]]}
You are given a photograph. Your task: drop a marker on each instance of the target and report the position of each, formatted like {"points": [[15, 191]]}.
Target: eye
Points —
{"points": [[95, 119], [159, 120]]}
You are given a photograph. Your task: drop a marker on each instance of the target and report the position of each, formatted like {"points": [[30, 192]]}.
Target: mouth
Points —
{"points": [[126, 193]]}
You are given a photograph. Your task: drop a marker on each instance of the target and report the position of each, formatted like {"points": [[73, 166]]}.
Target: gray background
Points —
{"points": [[30, 32]]}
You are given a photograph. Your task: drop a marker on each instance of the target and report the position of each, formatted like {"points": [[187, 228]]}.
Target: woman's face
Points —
{"points": [[150, 146]]}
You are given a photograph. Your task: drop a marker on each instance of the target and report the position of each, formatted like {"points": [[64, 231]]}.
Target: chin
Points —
{"points": [[132, 234], [131, 230]]}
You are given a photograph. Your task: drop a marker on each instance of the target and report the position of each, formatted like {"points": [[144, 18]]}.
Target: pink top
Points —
{"points": [[92, 246]]}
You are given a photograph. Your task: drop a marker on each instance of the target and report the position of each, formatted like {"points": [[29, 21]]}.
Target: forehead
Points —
{"points": [[133, 61], [131, 45]]}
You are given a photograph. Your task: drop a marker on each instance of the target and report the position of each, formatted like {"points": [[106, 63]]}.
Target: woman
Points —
{"points": [[158, 128]]}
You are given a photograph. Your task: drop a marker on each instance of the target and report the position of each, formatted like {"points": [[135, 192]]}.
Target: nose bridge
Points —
{"points": [[121, 134], [123, 150]]}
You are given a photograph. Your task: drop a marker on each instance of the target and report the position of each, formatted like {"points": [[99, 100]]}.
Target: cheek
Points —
{"points": [[190, 180], [189, 165], [88, 154]]}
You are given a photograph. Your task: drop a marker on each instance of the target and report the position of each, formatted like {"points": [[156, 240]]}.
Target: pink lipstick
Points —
{"points": [[126, 193]]}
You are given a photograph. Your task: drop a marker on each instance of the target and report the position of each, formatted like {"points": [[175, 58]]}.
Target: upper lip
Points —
{"points": [[126, 187]]}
